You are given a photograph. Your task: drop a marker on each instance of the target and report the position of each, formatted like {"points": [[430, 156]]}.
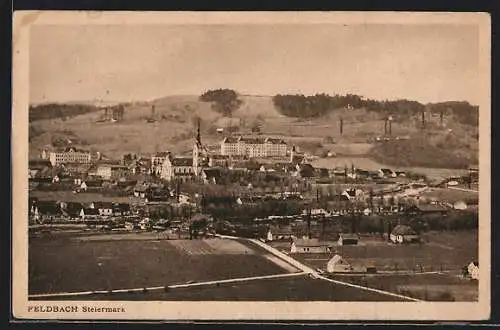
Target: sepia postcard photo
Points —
{"points": [[251, 166]]}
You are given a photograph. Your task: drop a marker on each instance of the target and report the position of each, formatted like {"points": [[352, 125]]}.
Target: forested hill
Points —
{"points": [[54, 110], [301, 106]]}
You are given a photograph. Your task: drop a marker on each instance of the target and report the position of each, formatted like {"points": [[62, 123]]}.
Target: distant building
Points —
{"points": [[348, 239], [157, 161], [404, 234], [337, 264], [108, 171], [309, 245], [253, 147], [177, 168], [219, 161], [70, 155]]}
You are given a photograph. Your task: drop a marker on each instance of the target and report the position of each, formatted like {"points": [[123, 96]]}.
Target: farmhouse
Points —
{"points": [[404, 234], [276, 233], [309, 245], [348, 239], [104, 208], [337, 264], [89, 213]]}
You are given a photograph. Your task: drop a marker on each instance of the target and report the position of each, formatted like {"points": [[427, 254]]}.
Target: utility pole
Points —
{"points": [[341, 126]]}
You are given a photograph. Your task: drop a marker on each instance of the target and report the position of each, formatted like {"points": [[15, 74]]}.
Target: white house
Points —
{"points": [[309, 245], [403, 234], [337, 264]]}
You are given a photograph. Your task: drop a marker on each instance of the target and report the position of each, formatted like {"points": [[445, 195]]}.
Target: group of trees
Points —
{"points": [[302, 106], [224, 101], [54, 110], [417, 152]]}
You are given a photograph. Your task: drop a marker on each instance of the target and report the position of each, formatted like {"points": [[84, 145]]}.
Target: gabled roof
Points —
{"points": [[103, 205], [162, 154], [403, 230], [253, 140], [230, 139], [220, 156], [89, 211], [182, 161], [309, 242], [275, 141], [349, 236]]}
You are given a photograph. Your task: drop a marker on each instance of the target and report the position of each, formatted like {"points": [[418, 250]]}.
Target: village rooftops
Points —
{"points": [[253, 140], [431, 208], [219, 156], [162, 154], [182, 161]]}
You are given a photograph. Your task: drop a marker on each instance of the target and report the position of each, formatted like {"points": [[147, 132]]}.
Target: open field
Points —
{"points": [[421, 286], [448, 251], [451, 195], [297, 288], [68, 265]]}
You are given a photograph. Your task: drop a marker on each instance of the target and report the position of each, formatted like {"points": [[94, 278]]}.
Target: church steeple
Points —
{"points": [[197, 150]]}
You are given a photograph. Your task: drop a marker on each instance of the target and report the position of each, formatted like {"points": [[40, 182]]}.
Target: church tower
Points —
{"points": [[197, 151]]}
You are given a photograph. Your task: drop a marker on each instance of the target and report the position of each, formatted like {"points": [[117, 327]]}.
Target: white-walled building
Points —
{"points": [[70, 155], [253, 147]]}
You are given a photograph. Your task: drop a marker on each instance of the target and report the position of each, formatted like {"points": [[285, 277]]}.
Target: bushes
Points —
{"points": [[225, 101], [416, 152]]}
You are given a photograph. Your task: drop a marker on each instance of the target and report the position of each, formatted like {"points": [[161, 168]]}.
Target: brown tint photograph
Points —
{"points": [[254, 162]]}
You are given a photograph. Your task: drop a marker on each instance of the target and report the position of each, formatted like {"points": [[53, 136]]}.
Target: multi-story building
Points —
{"points": [[109, 171], [70, 155], [177, 168], [157, 161], [253, 147]]}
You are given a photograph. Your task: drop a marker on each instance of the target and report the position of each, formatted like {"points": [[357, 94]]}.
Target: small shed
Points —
{"points": [[337, 264], [348, 239]]}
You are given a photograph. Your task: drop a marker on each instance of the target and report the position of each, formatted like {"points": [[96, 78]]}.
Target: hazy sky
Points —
{"points": [[119, 63]]}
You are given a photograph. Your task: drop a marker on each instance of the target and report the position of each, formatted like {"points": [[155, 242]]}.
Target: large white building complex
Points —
{"points": [[253, 147], [68, 156]]}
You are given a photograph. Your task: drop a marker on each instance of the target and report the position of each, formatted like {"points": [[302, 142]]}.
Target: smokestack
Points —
{"points": [[423, 118], [341, 126]]}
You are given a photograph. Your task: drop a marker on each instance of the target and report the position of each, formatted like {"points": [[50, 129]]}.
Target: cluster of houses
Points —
{"points": [[40, 210]]}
